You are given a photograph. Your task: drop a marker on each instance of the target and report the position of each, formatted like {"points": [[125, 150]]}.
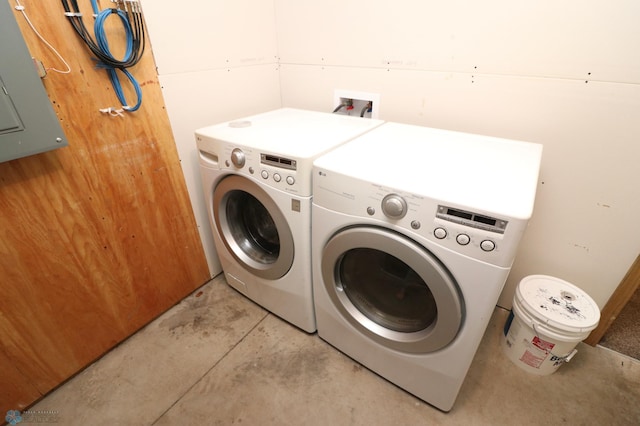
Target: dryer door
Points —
{"points": [[392, 289], [252, 227]]}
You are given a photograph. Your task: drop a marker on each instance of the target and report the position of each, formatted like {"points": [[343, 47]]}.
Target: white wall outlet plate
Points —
{"points": [[359, 103]]}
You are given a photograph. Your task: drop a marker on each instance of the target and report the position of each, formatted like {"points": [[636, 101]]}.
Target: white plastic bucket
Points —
{"points": [[549, 318]]}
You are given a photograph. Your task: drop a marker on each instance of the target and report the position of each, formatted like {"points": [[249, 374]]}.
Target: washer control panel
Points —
{"points": [[276, 171], [285, 175], [274, 160], [238, 158]]}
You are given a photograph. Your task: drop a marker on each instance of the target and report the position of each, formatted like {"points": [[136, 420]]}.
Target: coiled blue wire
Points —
{"points": [[103, 43]]}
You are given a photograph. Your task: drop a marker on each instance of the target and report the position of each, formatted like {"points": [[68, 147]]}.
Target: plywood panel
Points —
{"points": [[16, 391], [97, 238]]}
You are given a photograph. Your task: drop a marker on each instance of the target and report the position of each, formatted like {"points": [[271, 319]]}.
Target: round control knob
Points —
{"points": [[394, 206], [463, 239], [488, 245], [264, 174], [277, 177], [440, 233], [238, 158], [291, 180]]}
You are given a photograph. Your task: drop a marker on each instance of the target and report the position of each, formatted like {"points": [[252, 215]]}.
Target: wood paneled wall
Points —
{"points": [[97, 238]]}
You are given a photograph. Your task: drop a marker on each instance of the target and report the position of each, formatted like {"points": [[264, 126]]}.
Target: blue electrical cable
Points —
{"points": [[133, 27], [103, 44]]}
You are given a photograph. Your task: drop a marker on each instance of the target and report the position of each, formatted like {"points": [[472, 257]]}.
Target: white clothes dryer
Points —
{"points": [[414, 231], [256, 174]]}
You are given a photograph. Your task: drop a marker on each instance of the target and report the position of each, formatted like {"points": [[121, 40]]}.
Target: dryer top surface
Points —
{"points": [[291, 132], [487, 173]]}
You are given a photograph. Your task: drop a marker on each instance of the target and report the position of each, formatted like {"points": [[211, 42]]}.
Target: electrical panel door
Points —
{"points": [[28, 124]]}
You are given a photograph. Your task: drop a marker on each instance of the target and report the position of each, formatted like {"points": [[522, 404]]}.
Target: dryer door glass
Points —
{"points": [[387, 291], [252, 227], [392, 289]]}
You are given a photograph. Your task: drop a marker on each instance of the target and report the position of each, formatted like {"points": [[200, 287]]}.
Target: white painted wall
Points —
{"points": [[217, 60], [564, 74]]}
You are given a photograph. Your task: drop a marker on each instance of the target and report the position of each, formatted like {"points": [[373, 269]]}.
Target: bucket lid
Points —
{"points": [[558, 303]]}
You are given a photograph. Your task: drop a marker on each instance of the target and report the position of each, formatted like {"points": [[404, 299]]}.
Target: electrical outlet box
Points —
{"points": [[362, 104]]}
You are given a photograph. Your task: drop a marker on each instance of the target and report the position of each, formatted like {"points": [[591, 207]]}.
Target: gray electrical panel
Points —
{"points": [[28, 124]]}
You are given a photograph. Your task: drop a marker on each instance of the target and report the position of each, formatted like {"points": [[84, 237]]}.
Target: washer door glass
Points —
{"points": [[252, 227], [392, 289]]}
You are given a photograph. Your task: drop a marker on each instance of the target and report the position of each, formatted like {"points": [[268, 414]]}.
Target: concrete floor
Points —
{"points": [[218, 359]]}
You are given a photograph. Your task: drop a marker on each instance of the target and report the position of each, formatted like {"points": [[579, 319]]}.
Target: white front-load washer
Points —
{"points": [[414, 231], [256, 174]]}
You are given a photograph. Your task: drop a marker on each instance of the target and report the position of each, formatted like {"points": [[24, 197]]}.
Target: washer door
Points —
{"points": [[392, 289], [252, 227]]}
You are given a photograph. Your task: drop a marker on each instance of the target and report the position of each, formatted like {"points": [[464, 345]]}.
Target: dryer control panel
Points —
{"points": [[471, 232], [474, 220]]}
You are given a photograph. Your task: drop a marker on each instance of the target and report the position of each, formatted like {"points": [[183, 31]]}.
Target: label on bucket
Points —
{"points": [[535, 350], [534, 360], [542, 344]]}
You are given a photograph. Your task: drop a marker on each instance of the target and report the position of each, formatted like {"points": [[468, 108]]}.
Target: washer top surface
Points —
{"points": [[480, 172], [292, 132]]}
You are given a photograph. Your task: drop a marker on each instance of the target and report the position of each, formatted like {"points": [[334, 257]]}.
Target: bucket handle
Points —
{"points": [[563, 359], [571, 355]]}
